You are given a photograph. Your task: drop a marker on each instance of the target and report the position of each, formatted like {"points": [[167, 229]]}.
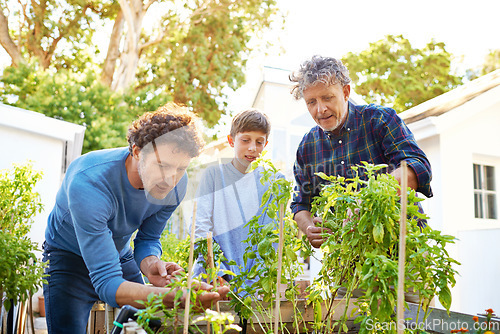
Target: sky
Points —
{"points": [[330, 27], [469, 29]]}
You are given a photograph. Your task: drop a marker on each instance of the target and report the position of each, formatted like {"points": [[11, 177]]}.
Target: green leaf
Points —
{"points": [[445, 297], [265, 247], [267, 229], [318, 313], [378, 233], [290, 254], [266, 284], [271, 213]]}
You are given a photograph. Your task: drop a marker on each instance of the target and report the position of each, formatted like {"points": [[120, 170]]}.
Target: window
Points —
{"points": [[485, 197]]}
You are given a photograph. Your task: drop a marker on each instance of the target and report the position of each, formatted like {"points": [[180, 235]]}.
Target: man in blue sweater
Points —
{"points": [[107, 196]]}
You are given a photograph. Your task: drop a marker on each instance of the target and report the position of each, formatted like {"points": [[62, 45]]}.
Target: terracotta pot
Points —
{"points": [[41, 305]]}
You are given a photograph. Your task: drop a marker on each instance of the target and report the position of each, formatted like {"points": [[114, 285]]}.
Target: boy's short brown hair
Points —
{"points": [[171, 123], [250, 120]]}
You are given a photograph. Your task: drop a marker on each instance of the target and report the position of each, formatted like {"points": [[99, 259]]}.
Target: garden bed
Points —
{"points": [[438, 321]]}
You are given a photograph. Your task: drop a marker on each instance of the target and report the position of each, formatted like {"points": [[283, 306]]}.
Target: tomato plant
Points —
{"points": [[361, 252], [262, 246]]}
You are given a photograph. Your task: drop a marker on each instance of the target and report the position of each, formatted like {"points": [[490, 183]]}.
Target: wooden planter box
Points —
{"points": [[287, 318], [438, 320]]}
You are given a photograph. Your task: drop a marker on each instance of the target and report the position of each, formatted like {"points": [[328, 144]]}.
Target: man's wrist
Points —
{"points": [[147, 262]]}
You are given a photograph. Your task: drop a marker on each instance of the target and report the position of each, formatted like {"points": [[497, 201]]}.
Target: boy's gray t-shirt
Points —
{"points": [[227, 199]]}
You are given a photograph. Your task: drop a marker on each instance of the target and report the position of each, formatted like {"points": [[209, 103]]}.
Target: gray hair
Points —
{"points": [[326, 70]]}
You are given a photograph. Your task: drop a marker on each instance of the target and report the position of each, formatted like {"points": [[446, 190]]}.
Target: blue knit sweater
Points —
{"points": [[96, 212]]}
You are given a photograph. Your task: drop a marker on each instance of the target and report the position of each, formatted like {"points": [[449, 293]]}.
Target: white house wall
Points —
{"points": [[467, 133], [275, 100], [432, 206]]}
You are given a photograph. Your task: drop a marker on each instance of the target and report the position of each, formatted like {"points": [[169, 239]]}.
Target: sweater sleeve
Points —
{"points": [[91, 207]]}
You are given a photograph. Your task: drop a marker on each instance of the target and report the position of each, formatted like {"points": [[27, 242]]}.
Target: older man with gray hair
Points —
{"points": [[345, 135]]}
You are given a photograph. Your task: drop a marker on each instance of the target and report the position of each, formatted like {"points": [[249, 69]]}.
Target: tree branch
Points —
{"points": [[7, 42], [108, 68], [157, 40], [63, 32]]}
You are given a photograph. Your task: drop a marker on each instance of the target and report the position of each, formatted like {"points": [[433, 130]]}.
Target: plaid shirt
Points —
{"points": [[371, 133]]}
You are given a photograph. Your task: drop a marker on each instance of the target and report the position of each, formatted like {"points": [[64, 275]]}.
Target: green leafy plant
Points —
{"points": [[21, 273], [170, 317], [361, 252], [175, 249], [262, 241]]}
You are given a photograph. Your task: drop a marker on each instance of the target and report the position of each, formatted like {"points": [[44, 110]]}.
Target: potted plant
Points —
{"points": [[21, 274]]}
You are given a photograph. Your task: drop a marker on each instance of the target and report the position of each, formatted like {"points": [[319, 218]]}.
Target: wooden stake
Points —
{"points": [[280, 259], [402, 249], [190, 272], [210, 260]]}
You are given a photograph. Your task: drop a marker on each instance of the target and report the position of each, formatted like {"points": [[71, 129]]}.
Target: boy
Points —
{"points": [[230, 196]]}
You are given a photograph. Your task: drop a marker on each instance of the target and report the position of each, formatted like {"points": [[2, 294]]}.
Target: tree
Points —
{"points": [[189, 51], [393, 73], [79, 98], [491, 62]]}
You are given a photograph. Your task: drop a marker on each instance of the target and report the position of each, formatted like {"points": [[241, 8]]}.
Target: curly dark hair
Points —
{"points": [[319, 69], [171, 123]]}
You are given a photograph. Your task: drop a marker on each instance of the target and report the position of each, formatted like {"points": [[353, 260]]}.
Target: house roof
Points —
{"points": [[37, 123], [452, 99], [34, 122]]}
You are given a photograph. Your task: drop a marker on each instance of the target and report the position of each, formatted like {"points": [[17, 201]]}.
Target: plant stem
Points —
{"points": [[190, 272], [280, 259], [402, 248]]}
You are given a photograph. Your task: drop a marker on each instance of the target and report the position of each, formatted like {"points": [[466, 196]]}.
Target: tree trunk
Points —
{"points": [[7, 42], [108, 68], [133, 11]]}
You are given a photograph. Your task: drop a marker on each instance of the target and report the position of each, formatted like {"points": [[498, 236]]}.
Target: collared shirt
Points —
{"points": [[371, 133]]}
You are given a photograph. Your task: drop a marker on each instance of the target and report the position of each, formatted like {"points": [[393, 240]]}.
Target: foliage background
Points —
{"points": [[192, 52], [100, 63]]}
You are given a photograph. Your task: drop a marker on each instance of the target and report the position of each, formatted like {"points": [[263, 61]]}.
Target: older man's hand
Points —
{"points": [[315, 233]]}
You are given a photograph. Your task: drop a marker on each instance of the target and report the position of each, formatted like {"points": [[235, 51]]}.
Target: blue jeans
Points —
{"points": [[69, 294]]}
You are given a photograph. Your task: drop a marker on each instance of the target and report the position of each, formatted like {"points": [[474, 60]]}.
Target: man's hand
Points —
{"points": [[412, 178], [208, 299], [308, 225], [205, 300], [315, 233], [158, 272]]}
